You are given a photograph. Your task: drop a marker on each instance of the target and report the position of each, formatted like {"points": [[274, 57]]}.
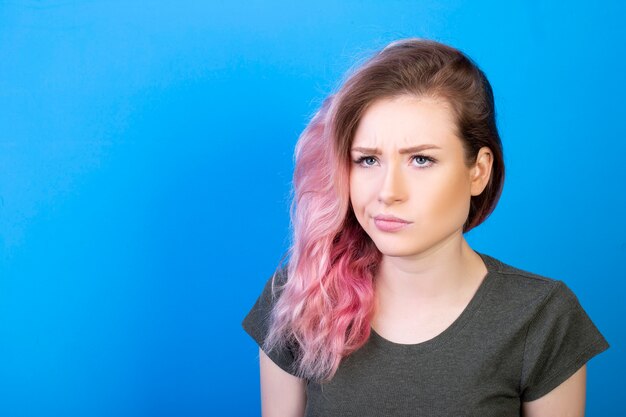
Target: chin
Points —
{"points": [[396, 249], [400, 253]]}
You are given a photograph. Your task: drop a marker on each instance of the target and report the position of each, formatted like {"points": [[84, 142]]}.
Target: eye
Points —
{"points": [[423, 161], [360, 161]]}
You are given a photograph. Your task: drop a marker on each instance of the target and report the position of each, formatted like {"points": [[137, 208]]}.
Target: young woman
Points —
{"points": [[383, 308]]}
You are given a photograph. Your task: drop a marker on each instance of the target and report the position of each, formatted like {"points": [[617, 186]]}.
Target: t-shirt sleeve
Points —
{"points": [[256, 323], [561, 338]]}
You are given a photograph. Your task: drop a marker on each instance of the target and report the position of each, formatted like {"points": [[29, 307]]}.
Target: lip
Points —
{"points": [[388, 223], [389, 218]]}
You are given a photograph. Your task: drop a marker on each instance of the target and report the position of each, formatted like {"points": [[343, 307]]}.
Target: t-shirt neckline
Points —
{"points": [[492, 265]]}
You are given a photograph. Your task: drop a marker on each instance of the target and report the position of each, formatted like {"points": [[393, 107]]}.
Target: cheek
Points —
{"points": [[359, 195], [452, 195]]}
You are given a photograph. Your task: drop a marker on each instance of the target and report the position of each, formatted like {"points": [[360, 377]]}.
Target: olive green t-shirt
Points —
{"points": [[520, 336]]}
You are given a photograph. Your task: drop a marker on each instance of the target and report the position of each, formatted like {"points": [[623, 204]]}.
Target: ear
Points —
{"points": [[481, 171]]}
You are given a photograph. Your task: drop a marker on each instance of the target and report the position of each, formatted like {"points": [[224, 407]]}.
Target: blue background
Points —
{"points": [[146, 159]]}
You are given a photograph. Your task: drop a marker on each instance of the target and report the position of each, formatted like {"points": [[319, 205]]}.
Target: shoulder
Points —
{"points": [[558, 335], [267, 299], [276, 283], [519, 276], [529, 285], [528, 290]]}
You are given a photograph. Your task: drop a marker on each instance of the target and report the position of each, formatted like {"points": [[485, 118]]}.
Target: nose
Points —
{"points": [[392, 188]]}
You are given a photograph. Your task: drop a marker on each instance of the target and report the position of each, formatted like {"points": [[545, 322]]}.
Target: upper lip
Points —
{"points": [[390, 218]]}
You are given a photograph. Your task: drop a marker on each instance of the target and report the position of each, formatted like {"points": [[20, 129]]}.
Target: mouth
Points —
{"points": [[387, 223], [390, 219]]}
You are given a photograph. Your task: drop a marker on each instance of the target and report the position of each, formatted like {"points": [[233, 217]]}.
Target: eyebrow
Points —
{"points": [[376, 151]]}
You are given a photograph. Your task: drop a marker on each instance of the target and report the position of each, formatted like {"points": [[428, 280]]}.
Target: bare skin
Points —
{"points": [[282, 394], [428, 272]]}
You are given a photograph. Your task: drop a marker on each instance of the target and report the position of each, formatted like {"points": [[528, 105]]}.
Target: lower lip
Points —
{"points": [[388, 226]]}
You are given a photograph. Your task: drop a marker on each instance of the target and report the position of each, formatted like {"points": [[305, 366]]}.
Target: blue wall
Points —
{"points": [[145, 160]]}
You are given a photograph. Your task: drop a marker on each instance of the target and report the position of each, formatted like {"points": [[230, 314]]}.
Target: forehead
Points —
{"points": [[403, 121]]}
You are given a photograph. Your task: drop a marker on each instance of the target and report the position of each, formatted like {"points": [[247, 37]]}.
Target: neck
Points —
{"points": [[442, 274]]}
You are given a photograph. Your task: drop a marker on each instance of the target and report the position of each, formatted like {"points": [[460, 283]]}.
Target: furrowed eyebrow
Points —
{"points": [[376, 151]]}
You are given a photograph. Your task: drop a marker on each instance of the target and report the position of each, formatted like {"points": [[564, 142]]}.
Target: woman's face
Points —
{"points": [[407, 162]]}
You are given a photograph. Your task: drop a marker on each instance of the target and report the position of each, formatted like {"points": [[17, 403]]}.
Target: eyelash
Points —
{"points": [[432, 161]]}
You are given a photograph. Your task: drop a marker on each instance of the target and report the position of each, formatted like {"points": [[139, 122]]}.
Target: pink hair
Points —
{"points": [[327, 302]]}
